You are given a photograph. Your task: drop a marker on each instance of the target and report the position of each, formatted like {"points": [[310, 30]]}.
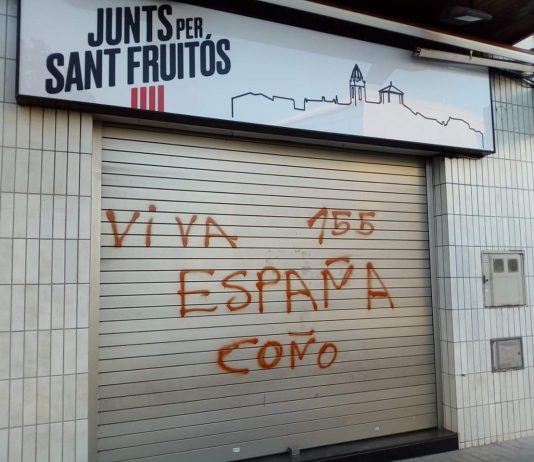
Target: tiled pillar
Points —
{"points": [[45, 212], [487, 204]]}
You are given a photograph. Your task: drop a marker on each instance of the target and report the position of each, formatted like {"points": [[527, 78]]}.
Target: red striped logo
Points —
{"points": [[150, 98]]}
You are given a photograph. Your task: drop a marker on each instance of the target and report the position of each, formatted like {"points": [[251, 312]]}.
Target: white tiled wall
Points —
{"points": [[45, 210], [487, 204]]}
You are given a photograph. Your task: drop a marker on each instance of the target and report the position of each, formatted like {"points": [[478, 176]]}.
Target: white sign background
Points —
{"points": [[280, 76]]}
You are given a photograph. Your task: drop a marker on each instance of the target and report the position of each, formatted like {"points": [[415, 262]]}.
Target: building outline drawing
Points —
{"points": [[358, 95]]}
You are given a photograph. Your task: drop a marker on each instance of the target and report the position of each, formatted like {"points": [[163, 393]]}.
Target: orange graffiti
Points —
{"points": [[294, 285], [271, 353], [229, 348], [226, 284], [366, 227], [295, 351], [302, 334], [376, 293], [304, 291], [327, 275], [279, 350], [184, 233], [322, 351], [211, 222], [261, 284], [322, 213], [118, 238], [341, 227], [183, 293], [148, 236]]}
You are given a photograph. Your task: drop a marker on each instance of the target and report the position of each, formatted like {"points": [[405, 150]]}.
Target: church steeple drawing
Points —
{"points": [[357, 85]]}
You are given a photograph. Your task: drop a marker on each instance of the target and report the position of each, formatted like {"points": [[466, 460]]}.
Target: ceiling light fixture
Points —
{"points": [[461, 15]]}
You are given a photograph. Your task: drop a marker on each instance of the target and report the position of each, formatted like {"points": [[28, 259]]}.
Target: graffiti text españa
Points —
{"points": [[248, 289]]}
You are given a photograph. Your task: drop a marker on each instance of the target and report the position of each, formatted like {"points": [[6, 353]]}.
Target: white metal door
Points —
{"points": [[256, 297]]}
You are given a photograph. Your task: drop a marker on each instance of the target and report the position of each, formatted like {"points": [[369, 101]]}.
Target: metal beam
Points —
{"points": [[466, 59]]}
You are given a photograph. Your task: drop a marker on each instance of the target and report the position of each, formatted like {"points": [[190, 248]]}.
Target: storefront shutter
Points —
{"points": [[195, 231]]}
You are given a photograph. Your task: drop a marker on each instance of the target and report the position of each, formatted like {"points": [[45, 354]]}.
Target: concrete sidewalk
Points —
{"points": [[521, 450]]}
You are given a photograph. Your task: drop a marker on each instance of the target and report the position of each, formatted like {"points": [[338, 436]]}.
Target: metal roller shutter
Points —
{"points": [[256, 297]]}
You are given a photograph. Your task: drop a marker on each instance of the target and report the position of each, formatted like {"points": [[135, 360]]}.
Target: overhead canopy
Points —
{"points": [[512, 21]]}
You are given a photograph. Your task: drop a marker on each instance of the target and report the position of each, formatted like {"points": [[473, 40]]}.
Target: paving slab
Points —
{"points": [[520, 450]]}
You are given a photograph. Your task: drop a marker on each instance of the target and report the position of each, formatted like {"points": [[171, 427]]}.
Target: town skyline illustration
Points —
{"points": [[358, 93]]}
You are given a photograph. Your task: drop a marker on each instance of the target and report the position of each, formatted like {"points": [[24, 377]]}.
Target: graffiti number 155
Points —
{"points": [[341, 224]]}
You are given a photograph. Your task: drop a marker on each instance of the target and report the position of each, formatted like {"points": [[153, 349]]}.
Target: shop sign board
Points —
{"points": [[169, 59]]}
